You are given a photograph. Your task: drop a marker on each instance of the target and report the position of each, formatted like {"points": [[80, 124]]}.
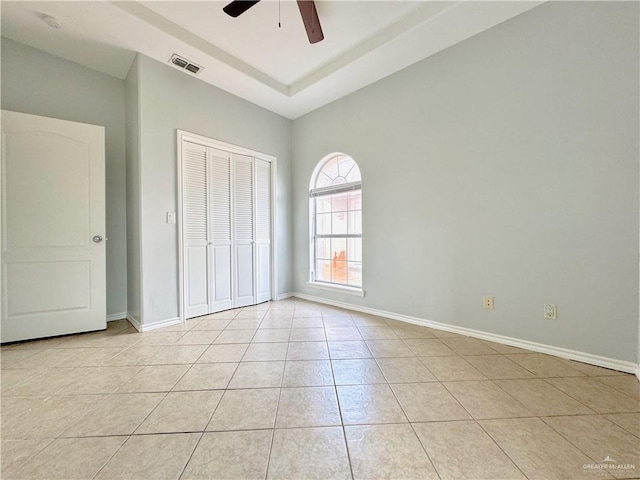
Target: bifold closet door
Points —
{"points": [[220, 246], [226, 218], [194, 222], [243, 230], [263, 230]]}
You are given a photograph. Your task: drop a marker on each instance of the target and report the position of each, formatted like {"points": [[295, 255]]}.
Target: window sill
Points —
{"points": [[358, 292]]}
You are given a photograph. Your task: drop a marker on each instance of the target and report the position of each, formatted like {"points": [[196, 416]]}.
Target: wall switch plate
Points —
{"points": [[171, 217], [487, 303], [550, 311]]}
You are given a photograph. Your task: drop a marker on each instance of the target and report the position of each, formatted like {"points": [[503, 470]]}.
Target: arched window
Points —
{"points": [[335, 201]]}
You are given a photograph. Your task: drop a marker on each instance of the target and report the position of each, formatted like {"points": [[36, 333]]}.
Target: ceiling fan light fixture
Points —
{"points": [[307, 9], [238, 7], [311, 20]]}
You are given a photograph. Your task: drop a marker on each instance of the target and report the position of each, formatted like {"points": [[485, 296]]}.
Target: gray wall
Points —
{"points": [[506, 165], [171, 100], [41, 84]]}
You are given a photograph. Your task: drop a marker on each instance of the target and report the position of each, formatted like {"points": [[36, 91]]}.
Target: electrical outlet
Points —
{"points": [[550, 311], [487, 303]]}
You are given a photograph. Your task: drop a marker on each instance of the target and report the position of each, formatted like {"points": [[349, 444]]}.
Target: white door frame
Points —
{"points": [[228, 147]]}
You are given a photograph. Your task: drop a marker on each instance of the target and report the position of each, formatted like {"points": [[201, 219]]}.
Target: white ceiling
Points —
{"points": [[250, 56]]}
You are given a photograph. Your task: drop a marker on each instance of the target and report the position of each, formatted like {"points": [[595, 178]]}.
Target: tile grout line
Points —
{"points": [[546, 380], [412, 427], [275, 420], [424, 449], [566, 438], [30, 457], [186, 464], [555, 388], [500, 446], [112, 456], [335, 389]]}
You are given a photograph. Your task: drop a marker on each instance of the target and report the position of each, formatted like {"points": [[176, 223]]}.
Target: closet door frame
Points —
{"points": [[227, 147]]}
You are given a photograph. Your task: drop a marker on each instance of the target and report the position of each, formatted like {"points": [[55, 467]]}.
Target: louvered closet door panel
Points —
{"points": [[194, 222], [263, 229], [243, 229], [220, 230]]}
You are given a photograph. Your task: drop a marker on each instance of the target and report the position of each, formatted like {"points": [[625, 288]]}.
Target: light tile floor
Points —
{"points": [[296, 390]]}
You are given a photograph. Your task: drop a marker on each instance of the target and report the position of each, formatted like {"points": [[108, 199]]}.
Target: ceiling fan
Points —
{"points": [[308, 13]]}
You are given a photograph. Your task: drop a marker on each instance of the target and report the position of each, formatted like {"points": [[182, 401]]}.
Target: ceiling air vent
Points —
{"points": [[184, 64], [192, 68]]}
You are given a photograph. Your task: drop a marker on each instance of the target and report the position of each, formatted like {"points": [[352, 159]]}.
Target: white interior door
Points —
{"points": [[263, 230], [194, 222], [53, 227], [244, 230]]}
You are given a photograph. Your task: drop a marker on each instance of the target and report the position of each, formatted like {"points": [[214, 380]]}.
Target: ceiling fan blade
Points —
{"points": [[238, 7], [311, 21]]}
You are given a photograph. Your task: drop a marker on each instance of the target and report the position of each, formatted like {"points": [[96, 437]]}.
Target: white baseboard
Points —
{"points": [[160, 324], [134, 321], [284, 296], [584, 357], [116, 316], [146, 327]]}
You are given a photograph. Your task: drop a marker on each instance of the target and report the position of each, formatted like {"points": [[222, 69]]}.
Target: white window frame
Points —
{"points": [[316, 192]]}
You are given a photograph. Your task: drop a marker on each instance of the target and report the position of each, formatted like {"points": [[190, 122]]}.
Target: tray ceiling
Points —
{"points": [[250, 56]]}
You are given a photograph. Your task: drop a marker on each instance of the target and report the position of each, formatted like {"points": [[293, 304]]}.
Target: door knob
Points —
{"points": [[97, 238]]}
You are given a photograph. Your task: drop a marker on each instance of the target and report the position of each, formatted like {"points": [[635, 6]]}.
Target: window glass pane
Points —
{"points": [[339, 271], [323, 180], [323, 223], [323, 248], [328, 173], [339, 202], [339, 248], [339, 260], [338, 170], [355, 222], [354, 275], [354, 249], [355, 200], [345, 165], [331, 168], [354, 174], [323, 204], [323, 270], [338, 180], [339, 225]]}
